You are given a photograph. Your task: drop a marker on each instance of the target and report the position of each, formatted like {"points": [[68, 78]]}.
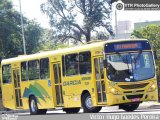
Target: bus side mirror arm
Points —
{"points": [[105, 63], [155, 54]]}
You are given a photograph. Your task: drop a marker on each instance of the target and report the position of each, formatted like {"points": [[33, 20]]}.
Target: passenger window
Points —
{"points": [[34, 69], [24, 71], [85, 63], [71, 63], [44, 68], [6, 73]]}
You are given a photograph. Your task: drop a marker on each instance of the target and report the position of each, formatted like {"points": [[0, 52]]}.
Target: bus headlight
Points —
{"points": [[114, 91], [152, 88]]}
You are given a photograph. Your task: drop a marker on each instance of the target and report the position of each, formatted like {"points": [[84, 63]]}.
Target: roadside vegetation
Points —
{"points": [[151, 32]]}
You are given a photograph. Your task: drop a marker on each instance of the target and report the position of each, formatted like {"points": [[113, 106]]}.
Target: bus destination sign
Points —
{"points": [[127, 46]]}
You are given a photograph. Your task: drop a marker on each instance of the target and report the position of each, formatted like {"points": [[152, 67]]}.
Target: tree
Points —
{"points": [[11, 43], [33, 34], [8, 27], [77, 19], [150, 32], [46, 43]]}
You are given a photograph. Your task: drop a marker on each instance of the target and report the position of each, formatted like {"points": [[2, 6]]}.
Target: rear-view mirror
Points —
{"points": [[105, 63], [155, 54]]}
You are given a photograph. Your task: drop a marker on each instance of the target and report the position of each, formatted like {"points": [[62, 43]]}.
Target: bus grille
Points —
{"points": [[134, 96], [132, 91], [134, 86]]}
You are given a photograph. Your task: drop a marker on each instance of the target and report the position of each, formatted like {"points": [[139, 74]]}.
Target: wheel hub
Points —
{"points": [[33, 106], [89, 103]]}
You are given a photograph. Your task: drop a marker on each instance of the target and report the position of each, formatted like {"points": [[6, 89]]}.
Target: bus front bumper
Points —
{"points": [[113, 99]]}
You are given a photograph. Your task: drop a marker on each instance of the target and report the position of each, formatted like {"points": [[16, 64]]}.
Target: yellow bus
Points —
{"points": [[89, 76]]}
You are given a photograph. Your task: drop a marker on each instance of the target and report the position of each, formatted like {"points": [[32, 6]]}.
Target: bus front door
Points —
{"points": [[17, 88], [100, 83], [58, 83]]}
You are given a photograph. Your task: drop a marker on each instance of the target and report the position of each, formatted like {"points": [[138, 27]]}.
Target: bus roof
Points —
{"points": [[69, 50]]}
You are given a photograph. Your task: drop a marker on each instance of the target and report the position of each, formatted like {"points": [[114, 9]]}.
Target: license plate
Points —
{"points": [[135, 99]]}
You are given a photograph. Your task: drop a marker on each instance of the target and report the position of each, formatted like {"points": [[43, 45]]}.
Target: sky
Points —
{"points": [[31, 9], [135, 16]]}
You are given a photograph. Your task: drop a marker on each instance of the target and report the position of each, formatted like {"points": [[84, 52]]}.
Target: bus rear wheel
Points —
{"points": [[34, 108], [129, 107], [71, 110], [87, 104]]}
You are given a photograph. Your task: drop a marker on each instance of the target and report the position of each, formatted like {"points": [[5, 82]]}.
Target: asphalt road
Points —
{"points": [[105, 114]]}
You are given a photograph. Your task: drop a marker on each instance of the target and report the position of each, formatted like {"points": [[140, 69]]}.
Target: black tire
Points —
{"points": [[71, 110], [42, 111], [86, 108], [34, 108], [129, 107]]}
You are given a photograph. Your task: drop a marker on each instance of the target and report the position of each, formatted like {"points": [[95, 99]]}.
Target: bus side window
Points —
{"points": [[6, 73], [85, 63], [44, 68], [71, 64], [24, 71], [34, 69]]}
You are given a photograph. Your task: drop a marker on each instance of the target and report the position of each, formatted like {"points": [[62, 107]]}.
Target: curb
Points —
{"points": [[154, 107]]}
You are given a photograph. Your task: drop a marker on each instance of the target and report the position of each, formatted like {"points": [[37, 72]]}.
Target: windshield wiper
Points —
{"points": [[138, 56]]}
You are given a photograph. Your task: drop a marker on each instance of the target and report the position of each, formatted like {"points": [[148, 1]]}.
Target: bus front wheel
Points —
{"points": [[87, 104], [129, 107]]}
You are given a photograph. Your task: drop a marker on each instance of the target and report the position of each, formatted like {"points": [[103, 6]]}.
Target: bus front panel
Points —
{"points": [[130, 72]]}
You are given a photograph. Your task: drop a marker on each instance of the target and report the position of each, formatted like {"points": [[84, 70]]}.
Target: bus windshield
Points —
{"points": [[129, 67]]}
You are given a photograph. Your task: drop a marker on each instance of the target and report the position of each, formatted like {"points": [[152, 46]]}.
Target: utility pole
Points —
{"points": [[22, 26], [116, 27]]}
